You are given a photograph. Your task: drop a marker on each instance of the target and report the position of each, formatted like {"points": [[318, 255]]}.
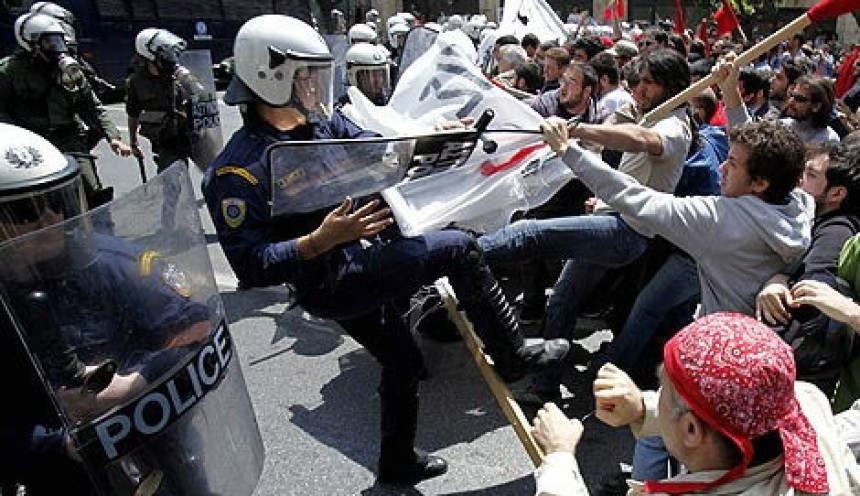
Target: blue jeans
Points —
{"points": [[591, 243], [650, 459], [675, 283]]}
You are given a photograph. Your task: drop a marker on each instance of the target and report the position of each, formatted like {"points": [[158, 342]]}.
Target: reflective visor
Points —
{"points": [[30, 212]]}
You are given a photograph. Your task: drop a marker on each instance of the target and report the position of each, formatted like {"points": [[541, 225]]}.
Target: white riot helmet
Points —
{"points": [[281, 61], [454, 22], [372, 15], [361, 33], [395, 19], [473, 28], [161, 47], [39, 186], [368, 69], [397, 35], [44, 36], [408, 17], [53, 10]]}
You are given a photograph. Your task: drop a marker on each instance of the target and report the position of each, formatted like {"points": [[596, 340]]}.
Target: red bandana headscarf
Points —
{"points": [[737, 375]]}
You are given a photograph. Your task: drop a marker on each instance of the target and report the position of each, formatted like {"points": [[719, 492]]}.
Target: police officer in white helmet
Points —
{"points": [[368, 68], [333, 258]]}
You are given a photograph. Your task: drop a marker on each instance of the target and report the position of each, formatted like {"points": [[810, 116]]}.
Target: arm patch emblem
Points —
{"points": [[233, 210]]}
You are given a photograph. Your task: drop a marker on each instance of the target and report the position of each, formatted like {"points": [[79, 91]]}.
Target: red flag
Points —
{"points": [[680, 25], [615, 10], [845, 80], [726, 19], [703, 35], [829, 9]]}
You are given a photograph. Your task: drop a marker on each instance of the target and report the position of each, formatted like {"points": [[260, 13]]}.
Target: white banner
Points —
{"points": [[520, 173], [522, 17]]}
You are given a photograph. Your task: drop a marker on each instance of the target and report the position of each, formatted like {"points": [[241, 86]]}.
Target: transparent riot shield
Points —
{"points": [[122, 319], [418, 42], [338, 45], [310, 175], [195, 77]]}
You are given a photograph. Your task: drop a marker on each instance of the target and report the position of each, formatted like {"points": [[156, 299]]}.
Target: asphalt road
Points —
{"points": [[314, 393]]}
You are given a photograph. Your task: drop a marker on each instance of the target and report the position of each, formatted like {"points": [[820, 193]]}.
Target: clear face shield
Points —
{"points": [[312, 90], [374, 81], [397, 40], [54, 251]]}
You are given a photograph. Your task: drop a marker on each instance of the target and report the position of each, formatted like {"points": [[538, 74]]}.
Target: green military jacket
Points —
{"points": [[31, 99], [158, 103]]}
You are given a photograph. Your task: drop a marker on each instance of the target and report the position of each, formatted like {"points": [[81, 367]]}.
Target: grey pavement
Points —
{"points": [[314, 392]]}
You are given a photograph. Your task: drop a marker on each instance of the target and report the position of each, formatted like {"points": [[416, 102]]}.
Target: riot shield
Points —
{"points": [[113, 286], [204, 121], [418, 42], [338, 45], [310, 175]]}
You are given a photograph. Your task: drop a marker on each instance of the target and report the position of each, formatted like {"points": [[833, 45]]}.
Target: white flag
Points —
{"points": [[522, 17], [520, 174]]}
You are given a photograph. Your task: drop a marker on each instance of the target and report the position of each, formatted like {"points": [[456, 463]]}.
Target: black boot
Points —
{"points": [[411, 469], [495, 323]]}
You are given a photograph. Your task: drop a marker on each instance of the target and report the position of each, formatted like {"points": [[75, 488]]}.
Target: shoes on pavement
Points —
{"points": [[423, 466]]}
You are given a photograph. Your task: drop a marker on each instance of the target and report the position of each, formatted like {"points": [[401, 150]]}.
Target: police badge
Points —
{"points": [[233, 210]]}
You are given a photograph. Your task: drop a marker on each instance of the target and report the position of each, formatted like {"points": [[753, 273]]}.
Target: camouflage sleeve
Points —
{"points": [[94, 114]]}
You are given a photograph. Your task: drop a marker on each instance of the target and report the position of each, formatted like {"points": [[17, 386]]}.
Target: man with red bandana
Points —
{"points": [[728, 408]]}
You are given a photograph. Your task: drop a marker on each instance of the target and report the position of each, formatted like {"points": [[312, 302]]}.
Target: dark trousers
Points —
{"points": [[360, 287]]}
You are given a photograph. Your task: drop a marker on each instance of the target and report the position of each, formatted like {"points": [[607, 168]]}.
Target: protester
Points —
{"points": [[728, 408], [556, 60], [611, 96]]}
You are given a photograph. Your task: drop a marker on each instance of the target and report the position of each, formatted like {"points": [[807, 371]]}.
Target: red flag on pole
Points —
{"points": [[680, 25], [726, 19], [702, 34], [615, 10]]}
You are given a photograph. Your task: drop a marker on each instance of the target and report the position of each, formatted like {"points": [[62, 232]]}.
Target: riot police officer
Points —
{"points": [[350, 264], [368, 68], [96, 295], [43, 89], [155, 102]]}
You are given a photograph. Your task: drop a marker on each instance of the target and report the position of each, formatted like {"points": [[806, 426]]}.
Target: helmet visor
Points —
{"points": [[27, 212], [312, 89], [53, 44], [374, 82]]}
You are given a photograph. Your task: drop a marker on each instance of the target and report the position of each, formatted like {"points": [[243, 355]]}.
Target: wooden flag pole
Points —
{"points": [[743, 59], [500, 391]]}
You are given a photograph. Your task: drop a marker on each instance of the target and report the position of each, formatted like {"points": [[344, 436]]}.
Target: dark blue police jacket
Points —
{"points": [[237, 187]]}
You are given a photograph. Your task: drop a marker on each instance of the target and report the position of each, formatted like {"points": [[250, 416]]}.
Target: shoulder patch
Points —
{"points": [[144, 262], [233, 210], [239, 171]]}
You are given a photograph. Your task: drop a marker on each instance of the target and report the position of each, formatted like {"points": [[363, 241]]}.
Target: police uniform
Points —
{"points": [[363, 288], [114, 301], [156, 102], [32, 99]]}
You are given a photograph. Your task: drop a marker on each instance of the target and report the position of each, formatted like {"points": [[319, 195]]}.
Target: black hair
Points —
{"points": [[755, 80], [677, 43], [701, 68], [531, 74], [546, 45], [697, 47], [708, 101], [794, 68], [843, 169], [659, 36], [530, 40], [776, 154], [591, 45], [606, 65], [507, 39], [820, 92], [669, 69], [589, 76], [631, 72]]}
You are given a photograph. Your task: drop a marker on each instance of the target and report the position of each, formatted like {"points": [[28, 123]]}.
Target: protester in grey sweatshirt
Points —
{"points": [[739, 240]]}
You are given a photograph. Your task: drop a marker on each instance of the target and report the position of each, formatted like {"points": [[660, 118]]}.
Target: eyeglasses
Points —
{"points": [[797, 97]]}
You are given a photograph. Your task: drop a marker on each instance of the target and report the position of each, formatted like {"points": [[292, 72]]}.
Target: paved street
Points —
{"points": [[314, 392]]}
